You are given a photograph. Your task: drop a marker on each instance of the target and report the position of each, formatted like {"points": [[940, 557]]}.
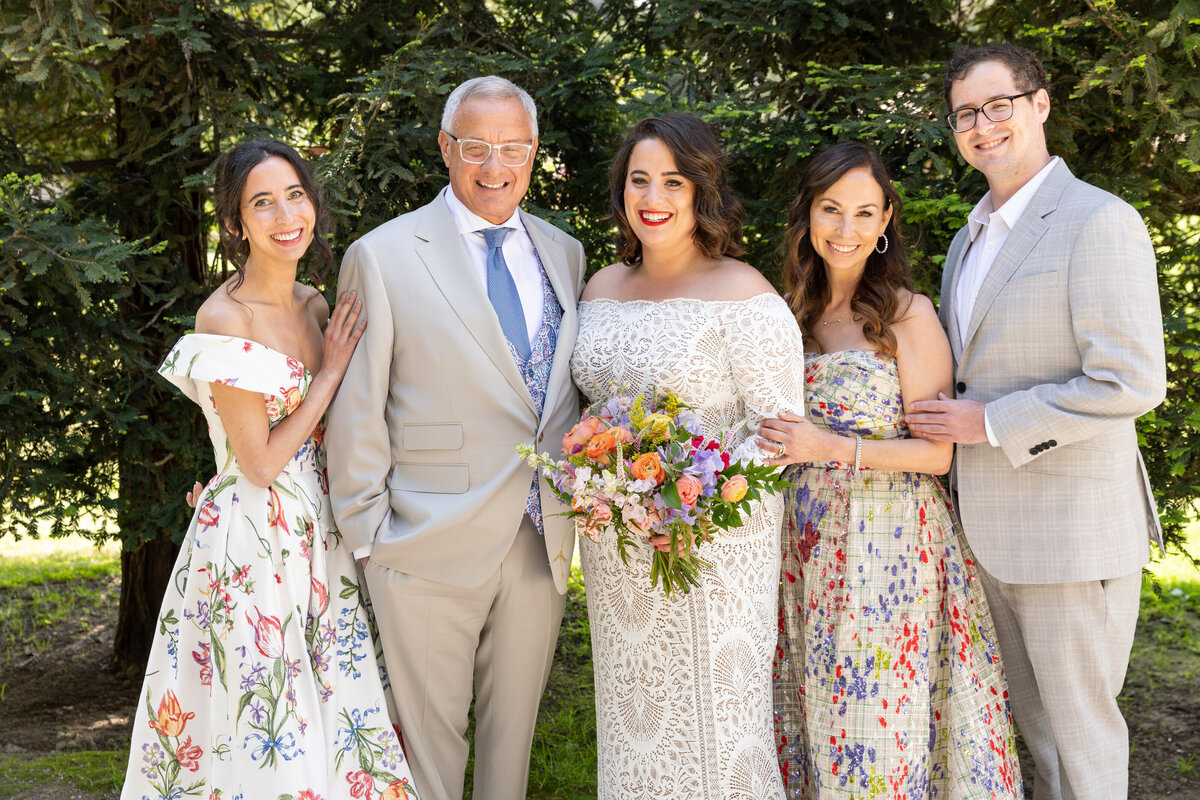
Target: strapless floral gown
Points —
{"points": [[888, 681], [263, 680]]}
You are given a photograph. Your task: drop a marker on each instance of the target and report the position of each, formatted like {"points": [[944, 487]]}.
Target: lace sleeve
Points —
{"points": [[767, 357]]}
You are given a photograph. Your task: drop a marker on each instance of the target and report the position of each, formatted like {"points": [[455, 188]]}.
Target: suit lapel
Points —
{"points": [[947, 310], [446, 259], [1029, 229], [554, 261]]}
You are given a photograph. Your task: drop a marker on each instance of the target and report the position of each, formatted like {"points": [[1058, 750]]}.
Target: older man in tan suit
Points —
{"points": [[1050, 301], [471, 309]]}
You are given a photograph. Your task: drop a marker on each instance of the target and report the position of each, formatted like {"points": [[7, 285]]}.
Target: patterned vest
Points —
{"points": [[536, 372]]}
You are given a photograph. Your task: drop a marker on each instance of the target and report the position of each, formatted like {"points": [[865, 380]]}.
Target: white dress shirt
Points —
{"points": [[518, 254], [988, 230]]}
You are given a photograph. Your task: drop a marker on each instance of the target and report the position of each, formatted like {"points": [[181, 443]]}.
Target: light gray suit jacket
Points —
{"points": [[423, 431], [1065, 345]]}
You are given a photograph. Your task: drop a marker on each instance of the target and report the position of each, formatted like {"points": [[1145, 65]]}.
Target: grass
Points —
{"points": [[51, 578], [96, 772], [53, 585]]}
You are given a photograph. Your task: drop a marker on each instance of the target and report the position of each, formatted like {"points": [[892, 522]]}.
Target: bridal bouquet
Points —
{"points": [[640, 466]]}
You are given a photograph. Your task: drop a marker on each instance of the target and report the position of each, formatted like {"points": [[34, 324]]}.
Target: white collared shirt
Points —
{"points": [[518, 254], [988, 230]]}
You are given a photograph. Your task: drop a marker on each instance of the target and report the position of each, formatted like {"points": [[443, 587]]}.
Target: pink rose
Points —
{"points": [[580, 435], [734, 489], [689, 489], [602, 513]]}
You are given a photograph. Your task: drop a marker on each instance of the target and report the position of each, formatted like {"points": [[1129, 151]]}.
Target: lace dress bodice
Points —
{"points": [[730, 360]]}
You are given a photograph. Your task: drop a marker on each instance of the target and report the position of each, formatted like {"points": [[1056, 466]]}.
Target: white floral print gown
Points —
{"points": [[263, 680], [683, 685]]}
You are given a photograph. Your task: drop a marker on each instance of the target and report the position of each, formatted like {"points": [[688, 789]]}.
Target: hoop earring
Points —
{"points": [[885, 244]]}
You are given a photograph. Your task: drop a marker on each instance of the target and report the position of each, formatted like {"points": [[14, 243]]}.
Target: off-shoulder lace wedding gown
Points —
{"points": [[683, 685]]}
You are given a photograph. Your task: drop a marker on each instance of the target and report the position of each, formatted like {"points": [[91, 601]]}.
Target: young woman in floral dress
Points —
{"points": [[263, 680], [888, 680]]}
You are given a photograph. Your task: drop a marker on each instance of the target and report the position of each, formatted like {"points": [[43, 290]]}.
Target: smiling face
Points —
{"points": [[659, 200], [846, 220], [1009, 152], [277, 215], [490, 190]]}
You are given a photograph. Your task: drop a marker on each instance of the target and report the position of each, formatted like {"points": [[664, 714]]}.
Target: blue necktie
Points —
{"points": [[502, 291]]}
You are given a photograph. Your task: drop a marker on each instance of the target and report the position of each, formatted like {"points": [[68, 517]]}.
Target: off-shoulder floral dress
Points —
{"points": [[263, 680]]}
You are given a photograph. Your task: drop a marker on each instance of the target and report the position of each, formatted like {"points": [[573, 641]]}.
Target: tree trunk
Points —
{"points": [[149, 188], [145, 573]]}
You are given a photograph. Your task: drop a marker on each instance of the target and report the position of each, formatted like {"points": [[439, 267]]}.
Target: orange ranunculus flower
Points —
{"points": [[648, 465], [734, 489], [170, 718], [623, 434], [580, 435], [689, 489], [600, 446], [396, 791]]}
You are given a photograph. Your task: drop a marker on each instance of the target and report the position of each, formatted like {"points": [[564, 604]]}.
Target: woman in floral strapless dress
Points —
{"points": [[887, 676], [263, 680]]}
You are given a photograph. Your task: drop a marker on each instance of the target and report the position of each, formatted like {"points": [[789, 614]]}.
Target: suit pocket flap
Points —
{"points": [[439, 436], [435, 478]]}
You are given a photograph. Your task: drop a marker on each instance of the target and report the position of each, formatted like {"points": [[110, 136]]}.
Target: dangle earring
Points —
{"points": [[885, 244]]}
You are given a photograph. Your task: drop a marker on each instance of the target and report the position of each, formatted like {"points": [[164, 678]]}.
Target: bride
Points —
{"points": [[683, 684]]}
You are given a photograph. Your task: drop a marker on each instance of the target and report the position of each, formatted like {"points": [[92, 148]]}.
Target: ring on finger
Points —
{"points": [[782, 451]]}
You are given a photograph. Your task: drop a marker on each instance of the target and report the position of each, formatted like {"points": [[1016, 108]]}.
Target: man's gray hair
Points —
{"points": [[492, 87]]}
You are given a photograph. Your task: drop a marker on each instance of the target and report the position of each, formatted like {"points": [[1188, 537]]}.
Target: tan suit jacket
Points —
{"points": [[423, 431], [1065, 345]]}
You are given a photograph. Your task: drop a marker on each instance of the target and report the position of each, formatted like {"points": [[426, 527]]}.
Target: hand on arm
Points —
{"points": [[947, 420], [262, 451], [924, 365]]}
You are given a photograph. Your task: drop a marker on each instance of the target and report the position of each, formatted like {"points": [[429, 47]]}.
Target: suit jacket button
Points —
{"points": [[1052, 443], [960, 387], [1033, 451]]}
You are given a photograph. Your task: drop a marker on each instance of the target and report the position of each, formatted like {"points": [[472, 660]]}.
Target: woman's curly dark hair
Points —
{"points": [[875, 300], [698, 158], [233, 169]]}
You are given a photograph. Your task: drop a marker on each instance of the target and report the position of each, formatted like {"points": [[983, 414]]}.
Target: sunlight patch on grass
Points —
{"points": [[1175, 572], [65, 559]]}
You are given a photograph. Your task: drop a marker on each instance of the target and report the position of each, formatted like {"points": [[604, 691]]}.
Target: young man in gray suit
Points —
{"points": [[472, 319], [1050, 300]]}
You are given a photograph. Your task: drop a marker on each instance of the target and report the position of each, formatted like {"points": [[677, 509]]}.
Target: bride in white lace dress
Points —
{"points": [[683, 685]]}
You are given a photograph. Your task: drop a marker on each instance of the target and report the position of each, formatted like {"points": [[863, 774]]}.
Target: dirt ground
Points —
{"points": [[60, 699]]}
